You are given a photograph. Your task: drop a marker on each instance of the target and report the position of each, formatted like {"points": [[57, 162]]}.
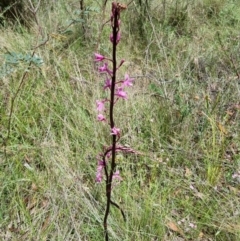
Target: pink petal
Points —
{"points": [[108, 84], [101, 117], [121, 94], [118, 37], [127, 81], [98, 57], [115, 131], [117, 176], [105, 69], [100, 105]]}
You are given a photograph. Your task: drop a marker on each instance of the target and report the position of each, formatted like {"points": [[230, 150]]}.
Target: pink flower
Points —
{"points": [[120, 93], [118, 23], [115, 131], [101, 117], [104, 69], [127, 81], [111, 37], [117, 176], [99, 177], [118, 37], [98, 57], [100, 105], [99, 174], [108, 84]]}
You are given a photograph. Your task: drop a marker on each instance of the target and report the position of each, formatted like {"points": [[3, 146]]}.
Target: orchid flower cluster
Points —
{"points": [[117, 90], [119, 93]]}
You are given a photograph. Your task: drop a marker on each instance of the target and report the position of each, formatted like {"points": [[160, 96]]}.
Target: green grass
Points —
{"points": [[182, 115]]}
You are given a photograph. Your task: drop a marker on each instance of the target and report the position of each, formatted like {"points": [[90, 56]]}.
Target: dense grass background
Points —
{"points": [[182, 115]]}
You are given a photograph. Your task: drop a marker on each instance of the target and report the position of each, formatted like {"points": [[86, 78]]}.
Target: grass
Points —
{"points": [[182, 115]]}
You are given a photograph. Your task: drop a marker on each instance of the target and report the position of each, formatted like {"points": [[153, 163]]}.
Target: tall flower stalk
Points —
{"points": [[107, 160]]}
